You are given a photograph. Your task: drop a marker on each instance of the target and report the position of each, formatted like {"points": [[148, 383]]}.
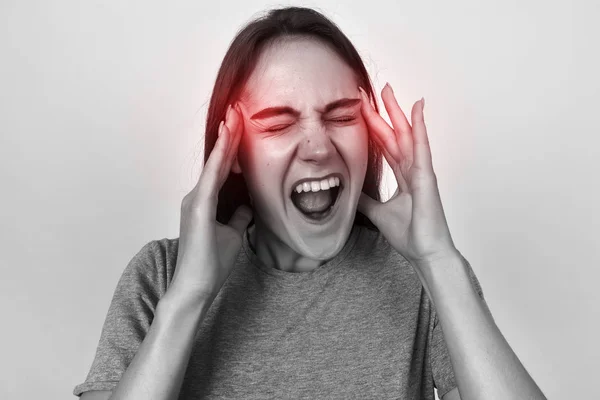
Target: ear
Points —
{"points": [[235, 167]]}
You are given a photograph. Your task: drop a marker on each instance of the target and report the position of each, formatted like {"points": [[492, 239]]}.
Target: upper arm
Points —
{"points": [[105, 395], [127, 322], [452, 395]]}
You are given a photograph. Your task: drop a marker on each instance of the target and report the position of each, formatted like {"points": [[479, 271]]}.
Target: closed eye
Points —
{"points": [[277, 129], [346, 119]]}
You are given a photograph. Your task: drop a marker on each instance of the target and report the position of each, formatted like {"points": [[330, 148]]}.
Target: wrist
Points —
{"points": [[182, 303], [182, 290], [440, 258], [438, 269], [441, 276]]}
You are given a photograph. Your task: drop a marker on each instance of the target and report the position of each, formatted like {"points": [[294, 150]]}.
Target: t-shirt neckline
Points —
{"points": [[319, 272]]}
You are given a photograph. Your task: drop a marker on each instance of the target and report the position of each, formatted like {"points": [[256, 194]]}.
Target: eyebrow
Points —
{"points": [[275, 111]]}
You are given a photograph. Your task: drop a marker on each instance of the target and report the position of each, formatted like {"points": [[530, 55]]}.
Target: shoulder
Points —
{"points": [[154, 263], [156, 253], [374, 246], [374, 251], [386, 275], [161, 251]]}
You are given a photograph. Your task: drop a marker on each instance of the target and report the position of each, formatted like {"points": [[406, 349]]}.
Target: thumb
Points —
{"points": [[241, 218], [369, 207]]}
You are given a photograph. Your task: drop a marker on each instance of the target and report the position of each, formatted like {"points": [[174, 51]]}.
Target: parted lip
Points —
{"points": [[316, 178]]}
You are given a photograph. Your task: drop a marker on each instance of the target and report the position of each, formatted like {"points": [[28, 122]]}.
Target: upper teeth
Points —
{"points": [[315, 186]]}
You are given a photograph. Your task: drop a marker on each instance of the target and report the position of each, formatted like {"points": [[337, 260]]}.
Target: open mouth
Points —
{"points": [[316, 202]]}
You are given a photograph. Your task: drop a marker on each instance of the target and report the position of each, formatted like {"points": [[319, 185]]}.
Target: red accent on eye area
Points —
{"points": [[344, 119], [277, 129], [274, 111], [339, 120]]}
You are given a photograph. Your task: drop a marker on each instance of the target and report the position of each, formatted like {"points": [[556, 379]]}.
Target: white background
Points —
{"points": [[102, 109]]}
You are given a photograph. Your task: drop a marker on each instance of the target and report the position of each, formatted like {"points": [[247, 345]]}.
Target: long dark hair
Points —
{"points": [[238, 64]]}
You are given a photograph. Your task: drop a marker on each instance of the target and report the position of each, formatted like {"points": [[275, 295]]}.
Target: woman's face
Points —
{"points": [[303, 128]]}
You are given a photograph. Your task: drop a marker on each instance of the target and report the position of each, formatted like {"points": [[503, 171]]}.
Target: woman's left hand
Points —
{"points": [[413, 219]]}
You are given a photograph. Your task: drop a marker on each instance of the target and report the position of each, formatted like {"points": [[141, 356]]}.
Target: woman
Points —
{"points": [[333, 292]]}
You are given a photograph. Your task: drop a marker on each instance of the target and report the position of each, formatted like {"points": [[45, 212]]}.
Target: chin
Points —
{"points": [[326, 247]]}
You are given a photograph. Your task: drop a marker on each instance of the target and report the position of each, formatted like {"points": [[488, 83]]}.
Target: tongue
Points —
{"points": [[311, 202]]}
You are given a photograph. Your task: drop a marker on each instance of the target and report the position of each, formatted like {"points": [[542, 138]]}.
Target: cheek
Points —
{"points": [[354, 145], [262, 160]]}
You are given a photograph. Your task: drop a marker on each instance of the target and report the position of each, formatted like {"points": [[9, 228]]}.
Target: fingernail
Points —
{"points": [[220, 128], [390, 86], [228, 112], [422, 103]]}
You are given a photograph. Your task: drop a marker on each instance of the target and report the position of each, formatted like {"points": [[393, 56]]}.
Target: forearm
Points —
{"points": [[157, 370], [484, 364]]}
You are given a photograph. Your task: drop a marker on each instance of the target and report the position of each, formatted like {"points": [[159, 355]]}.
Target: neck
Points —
{"points": [[276, 254]]}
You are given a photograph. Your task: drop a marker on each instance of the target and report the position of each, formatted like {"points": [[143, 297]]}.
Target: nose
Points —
{"points": [[316, 146]]}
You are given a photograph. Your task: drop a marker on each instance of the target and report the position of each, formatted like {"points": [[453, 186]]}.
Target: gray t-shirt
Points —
{"points": [[360, 326]]}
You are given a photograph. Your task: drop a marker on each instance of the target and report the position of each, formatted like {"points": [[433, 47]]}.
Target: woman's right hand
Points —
{"points": [[208, 249]]}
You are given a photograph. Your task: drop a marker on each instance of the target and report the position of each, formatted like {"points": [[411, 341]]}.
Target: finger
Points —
{"points": [[369, 207], [209, 178], [380, 128], [399, 122], [233, 121], [395, 166], [402, 184], [227, 112], [231, 154], [234, 125], [381, 147], [422, 150], [241, 218]]}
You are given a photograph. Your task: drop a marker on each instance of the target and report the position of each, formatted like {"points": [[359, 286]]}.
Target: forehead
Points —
{"points": [[298, 71]]}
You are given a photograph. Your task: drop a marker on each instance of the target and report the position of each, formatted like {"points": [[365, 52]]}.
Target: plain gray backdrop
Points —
{"points": [[102, 109]]}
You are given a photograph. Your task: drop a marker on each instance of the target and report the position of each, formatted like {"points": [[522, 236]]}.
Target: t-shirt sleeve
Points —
{"points": [[441, 366], [128, 320]]}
